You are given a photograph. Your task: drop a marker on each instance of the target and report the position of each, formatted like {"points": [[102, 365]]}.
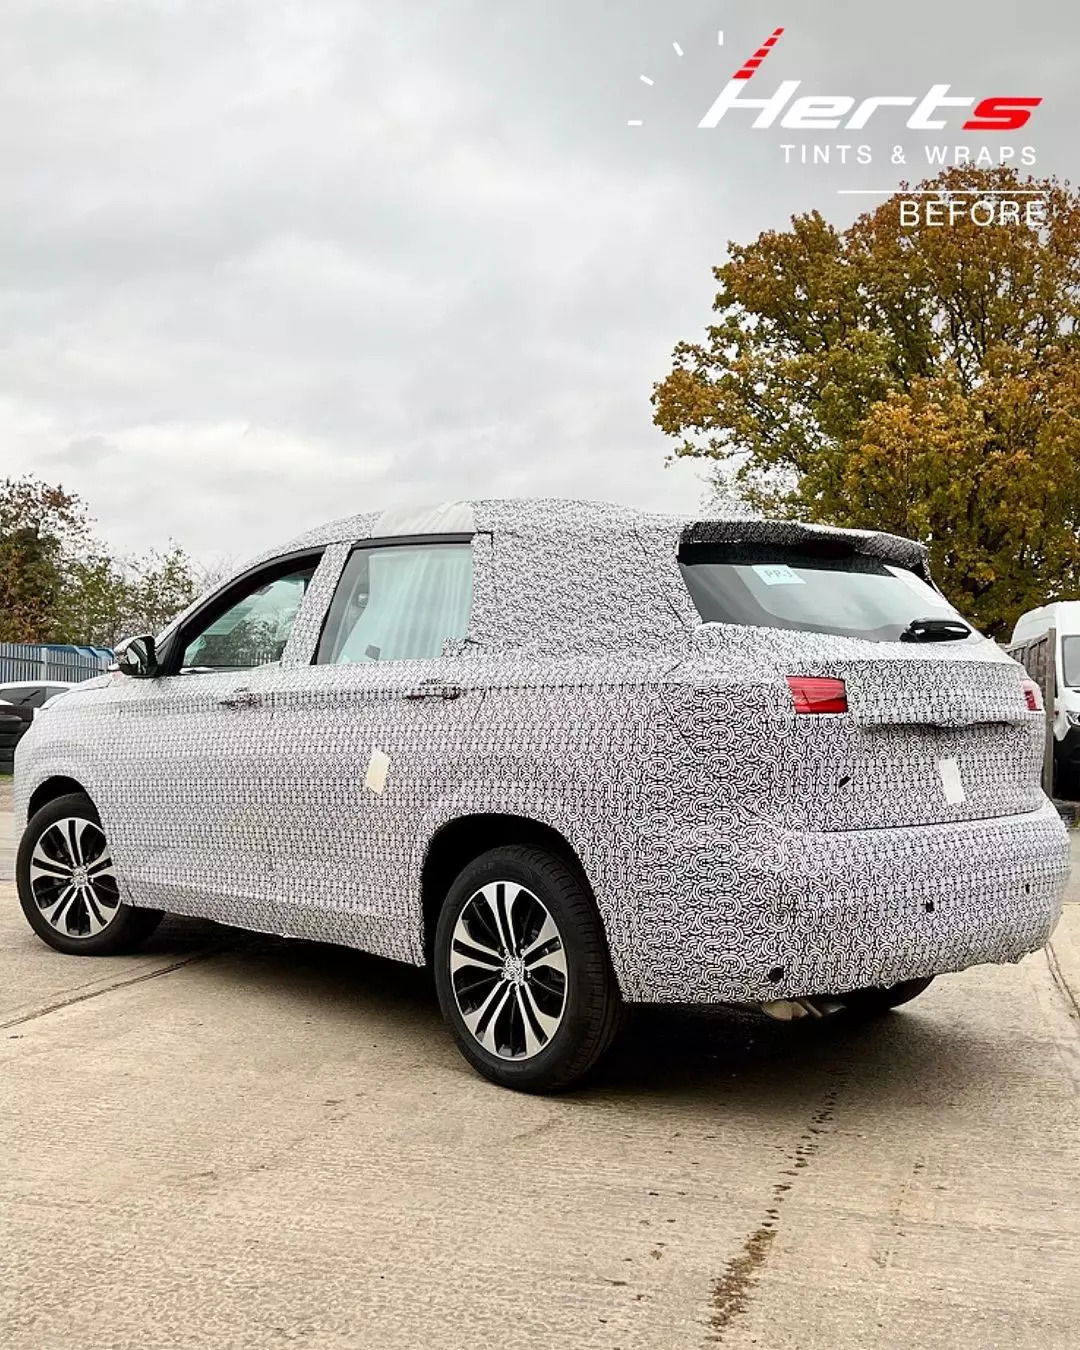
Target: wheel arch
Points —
{"points": [[458, 841], [58, 785]]}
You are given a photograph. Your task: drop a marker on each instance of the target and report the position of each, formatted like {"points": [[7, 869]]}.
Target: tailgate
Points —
{"points": [[923, 741], [924, 731], [928, 736], [939, 692]]}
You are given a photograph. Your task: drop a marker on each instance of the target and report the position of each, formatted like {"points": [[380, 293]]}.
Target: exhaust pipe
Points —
{"points": [[791, 1009]]}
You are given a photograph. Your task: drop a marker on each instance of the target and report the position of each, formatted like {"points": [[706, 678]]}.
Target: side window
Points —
{"points": [[253, 630], [398, 603]]}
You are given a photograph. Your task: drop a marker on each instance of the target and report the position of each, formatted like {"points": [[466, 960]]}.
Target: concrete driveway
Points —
{"points": [[238, 1142]]}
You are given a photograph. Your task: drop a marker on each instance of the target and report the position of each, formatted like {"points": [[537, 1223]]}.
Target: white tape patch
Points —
{"points": [[951, 784], [377, 768]]}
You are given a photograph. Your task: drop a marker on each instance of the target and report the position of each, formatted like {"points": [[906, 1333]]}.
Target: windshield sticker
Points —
{"points": [[778, 574]]}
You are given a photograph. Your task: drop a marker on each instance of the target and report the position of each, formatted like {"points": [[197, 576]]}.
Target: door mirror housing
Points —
{"points": [[136, 657]]}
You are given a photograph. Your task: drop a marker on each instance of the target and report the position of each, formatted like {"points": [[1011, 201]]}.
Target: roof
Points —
{"points": [[1057, 614], [551, 516], [558, 546], [467, 517]]}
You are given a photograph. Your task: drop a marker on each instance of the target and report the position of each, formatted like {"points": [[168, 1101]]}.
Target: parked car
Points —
{"points": [[11, 728], [1063, 620], [571, 755], [20, 699]]}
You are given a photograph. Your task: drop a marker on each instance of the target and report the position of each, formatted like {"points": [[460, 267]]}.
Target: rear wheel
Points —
{"points": [[67, 884], [522, 970], [874, 1002]]}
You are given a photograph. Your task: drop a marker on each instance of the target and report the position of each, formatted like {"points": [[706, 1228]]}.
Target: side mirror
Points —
{"points": [[136, 657]]}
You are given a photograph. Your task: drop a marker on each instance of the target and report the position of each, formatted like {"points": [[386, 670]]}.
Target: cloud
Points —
{"points": [[265, 262]]}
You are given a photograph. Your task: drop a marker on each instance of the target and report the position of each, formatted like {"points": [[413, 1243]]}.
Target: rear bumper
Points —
{"points": [[786, 914]]}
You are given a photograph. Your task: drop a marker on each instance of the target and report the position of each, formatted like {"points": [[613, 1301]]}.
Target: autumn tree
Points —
{"points": [[40, 529], [58, 583], [921, 379]]}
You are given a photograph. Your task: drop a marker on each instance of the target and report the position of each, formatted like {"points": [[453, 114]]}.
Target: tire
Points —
{"points": [[61, 840], [533, 1023], [1066, 782], [875, 1002]]}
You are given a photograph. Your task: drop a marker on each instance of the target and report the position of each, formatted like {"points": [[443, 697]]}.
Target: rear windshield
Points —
{"points": [[824, 589], [1070, 662]]}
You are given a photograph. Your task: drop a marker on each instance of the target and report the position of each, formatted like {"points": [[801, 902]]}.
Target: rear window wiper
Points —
{"points": [[935, 630]]}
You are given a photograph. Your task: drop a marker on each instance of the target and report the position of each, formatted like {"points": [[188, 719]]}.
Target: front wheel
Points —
{"points": [[67, 884], [874, 1002], [522, 970]]}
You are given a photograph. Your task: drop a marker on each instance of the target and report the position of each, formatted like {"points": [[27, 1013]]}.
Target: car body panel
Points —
{"points": [[201, 772], [342, 856], [712, 823]]}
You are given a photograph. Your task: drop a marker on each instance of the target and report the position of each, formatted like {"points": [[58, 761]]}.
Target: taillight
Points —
{"points": [[1033, 696], [816, 694]]}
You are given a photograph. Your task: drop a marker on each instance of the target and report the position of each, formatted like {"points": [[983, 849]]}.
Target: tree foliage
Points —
{"points": [[920, 379], [41, 527], [60, 584], [110, 598]]}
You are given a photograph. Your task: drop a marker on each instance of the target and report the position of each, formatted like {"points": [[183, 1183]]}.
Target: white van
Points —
{"points": [[1064, 618]]}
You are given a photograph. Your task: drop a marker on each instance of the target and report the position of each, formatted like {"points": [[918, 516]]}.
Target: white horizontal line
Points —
{"points": [[633, 123], [645, 80]]}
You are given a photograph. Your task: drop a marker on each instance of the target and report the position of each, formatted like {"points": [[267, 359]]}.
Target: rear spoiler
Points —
{"points": [[891, 548]]}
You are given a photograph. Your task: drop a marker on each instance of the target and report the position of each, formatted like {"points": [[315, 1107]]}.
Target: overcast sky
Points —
{"points": [[264, 263]]}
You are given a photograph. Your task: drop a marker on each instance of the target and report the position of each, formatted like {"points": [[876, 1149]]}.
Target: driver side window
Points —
{"points": [[254, 629]]}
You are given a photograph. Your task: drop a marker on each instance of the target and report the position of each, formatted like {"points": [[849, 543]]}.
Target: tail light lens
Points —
{"points": [[816, 694], [1033, 696]]}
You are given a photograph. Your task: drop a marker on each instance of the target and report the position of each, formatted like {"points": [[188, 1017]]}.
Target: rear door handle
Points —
{"points": [[240, 698], [433, 689]]}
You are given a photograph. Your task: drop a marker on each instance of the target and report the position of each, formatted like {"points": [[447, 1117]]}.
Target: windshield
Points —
{"points": [[1070, 662], [826, 588]]}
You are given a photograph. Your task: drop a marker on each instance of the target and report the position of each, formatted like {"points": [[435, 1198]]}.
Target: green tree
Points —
{"points": [[41, 527], [107, 598], [60, 584], [921, 379]]}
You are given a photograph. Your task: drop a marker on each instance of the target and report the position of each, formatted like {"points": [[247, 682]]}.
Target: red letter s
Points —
{"points": [[1001, 114]]}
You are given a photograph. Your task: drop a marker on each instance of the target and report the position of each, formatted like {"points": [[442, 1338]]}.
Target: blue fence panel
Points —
{"points": [[51, 661]]}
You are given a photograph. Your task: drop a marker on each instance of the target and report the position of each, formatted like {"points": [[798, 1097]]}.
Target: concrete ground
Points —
{"points": [[238, 1142]]}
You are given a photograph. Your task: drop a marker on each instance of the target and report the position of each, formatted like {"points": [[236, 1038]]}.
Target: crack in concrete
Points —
{"points": [[108, 989], [1058, 976]]}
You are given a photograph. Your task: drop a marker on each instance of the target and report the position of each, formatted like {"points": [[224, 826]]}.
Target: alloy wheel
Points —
{"points": [[508, 970], [72, 878]]}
